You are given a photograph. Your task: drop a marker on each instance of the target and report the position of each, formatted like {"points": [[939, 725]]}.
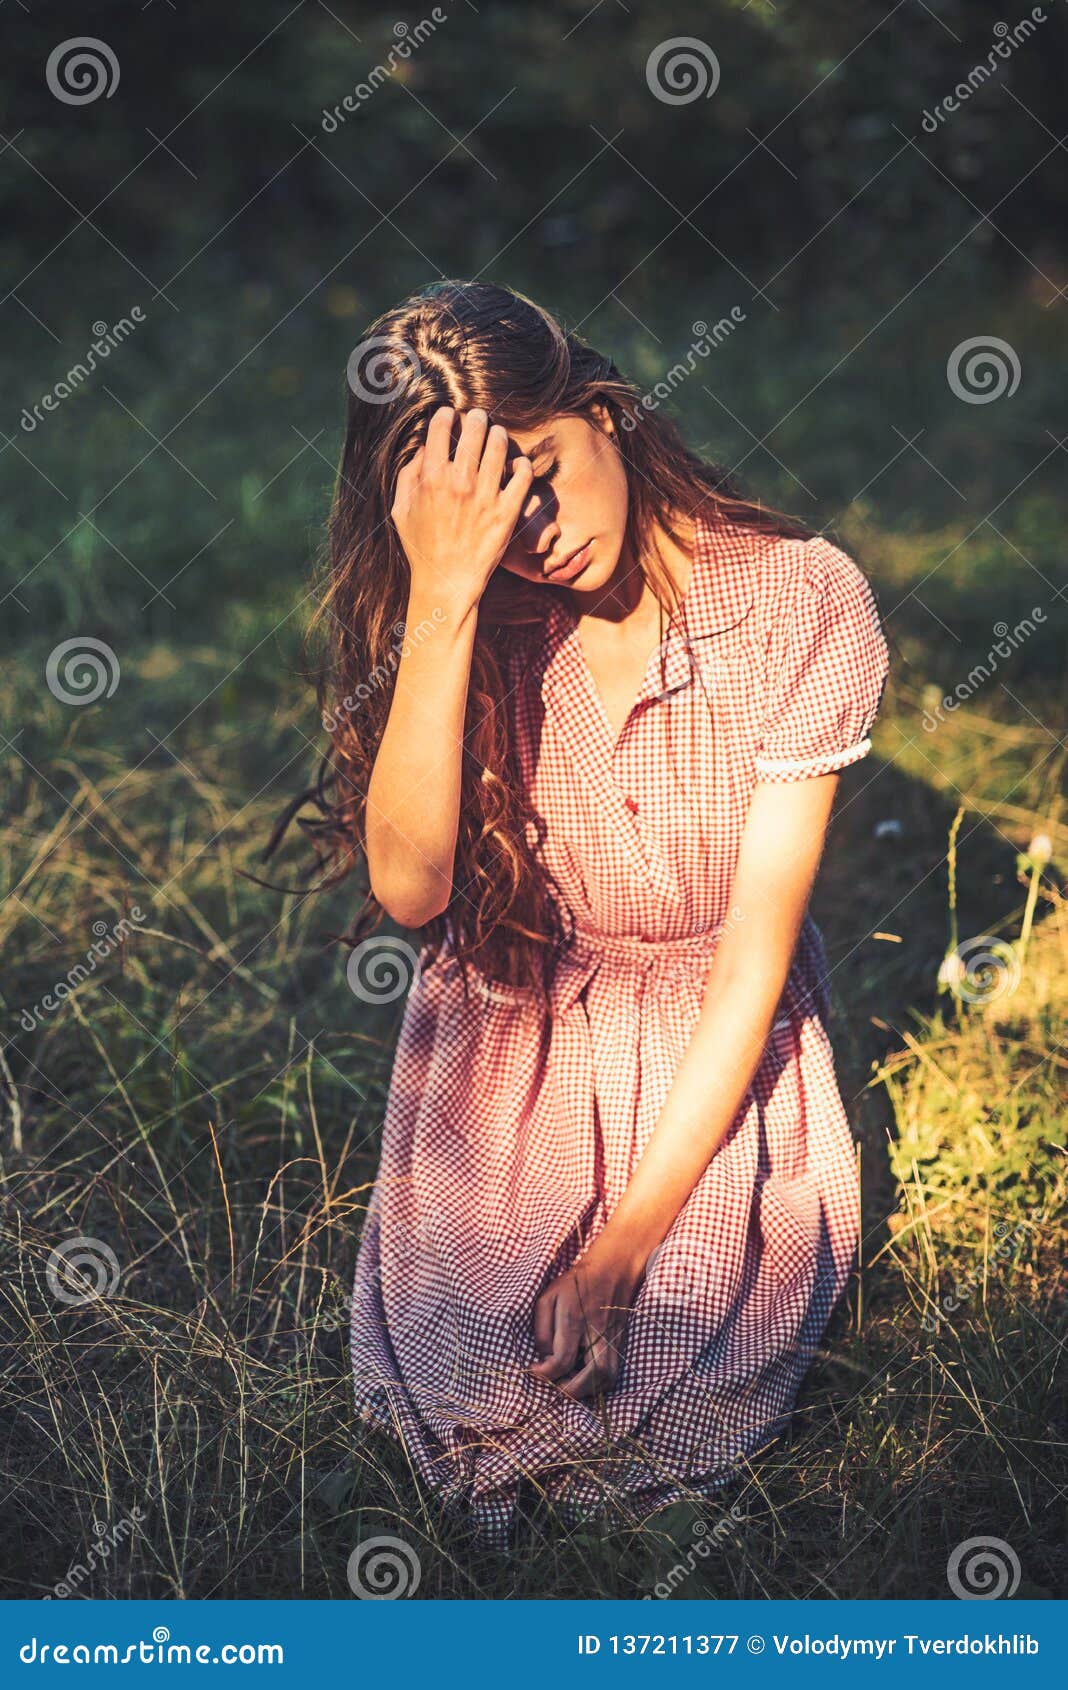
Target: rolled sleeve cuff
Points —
{"points": [[801, 768]]}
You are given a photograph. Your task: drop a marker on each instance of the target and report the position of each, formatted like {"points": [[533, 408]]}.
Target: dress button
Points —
{"points": [[632, 805]]}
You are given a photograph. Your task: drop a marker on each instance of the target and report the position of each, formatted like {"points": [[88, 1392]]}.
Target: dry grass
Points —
{"points": [[205, 1104]]}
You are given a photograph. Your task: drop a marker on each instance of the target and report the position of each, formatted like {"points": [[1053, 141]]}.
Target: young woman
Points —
{"points": [[588, 712]]}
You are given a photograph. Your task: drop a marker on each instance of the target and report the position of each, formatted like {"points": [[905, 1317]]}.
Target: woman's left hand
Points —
{"points": [[580, 1321]]}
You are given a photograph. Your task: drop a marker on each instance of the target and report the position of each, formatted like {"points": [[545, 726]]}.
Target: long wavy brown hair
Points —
{"points": [[472, 344]]}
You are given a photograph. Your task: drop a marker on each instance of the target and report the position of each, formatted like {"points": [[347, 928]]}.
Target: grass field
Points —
{"points": [[205, 1102]]}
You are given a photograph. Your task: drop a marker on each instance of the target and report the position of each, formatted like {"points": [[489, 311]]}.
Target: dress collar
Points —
{"points": [[718, 596], [720, 590]]}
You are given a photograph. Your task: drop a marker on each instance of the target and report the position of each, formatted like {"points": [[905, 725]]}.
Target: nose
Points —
{"points": [[538, 529]]}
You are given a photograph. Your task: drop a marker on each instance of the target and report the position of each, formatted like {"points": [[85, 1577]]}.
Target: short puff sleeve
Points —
{"points": [[829, 664]]}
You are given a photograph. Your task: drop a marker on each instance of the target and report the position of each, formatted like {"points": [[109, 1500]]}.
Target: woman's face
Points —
{"points": [[573, 524]]}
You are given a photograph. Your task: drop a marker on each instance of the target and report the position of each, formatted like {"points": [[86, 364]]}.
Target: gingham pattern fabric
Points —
{"points": [[510, 1134]]}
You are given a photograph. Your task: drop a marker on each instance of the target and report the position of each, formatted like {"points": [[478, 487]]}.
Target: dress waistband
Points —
{"points": [[613, 947], [591, 951]]}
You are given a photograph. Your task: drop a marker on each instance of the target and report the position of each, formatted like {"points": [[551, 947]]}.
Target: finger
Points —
{"points": [[581, 1384], [543, 1323], [566, 1336], [472, 435], [516, 489], [599, 1373], [439, 437], [491, 469], [408, 475]]}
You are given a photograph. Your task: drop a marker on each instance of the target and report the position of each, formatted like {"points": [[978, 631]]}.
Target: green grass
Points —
{"points": [[207, 1102]]}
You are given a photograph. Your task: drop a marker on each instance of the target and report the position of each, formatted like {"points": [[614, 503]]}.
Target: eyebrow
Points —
{"points": [[538, 448]]}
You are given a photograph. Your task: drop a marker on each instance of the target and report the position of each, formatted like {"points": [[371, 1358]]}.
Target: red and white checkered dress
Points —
{"points": [[510, 1135]]}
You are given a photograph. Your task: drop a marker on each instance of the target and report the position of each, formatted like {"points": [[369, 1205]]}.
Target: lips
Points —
{"points": [[571, 566]]}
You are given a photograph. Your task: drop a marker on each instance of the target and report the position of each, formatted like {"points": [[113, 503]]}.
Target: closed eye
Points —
{"points": [[550, 473]]}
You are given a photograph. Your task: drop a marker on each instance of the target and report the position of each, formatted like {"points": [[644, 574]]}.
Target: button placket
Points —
{"points": [[623, 777], [569, 694], [626, 773]]}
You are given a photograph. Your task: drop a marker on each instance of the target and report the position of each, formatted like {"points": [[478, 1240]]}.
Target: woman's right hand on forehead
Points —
{"points": [[455, 512]]}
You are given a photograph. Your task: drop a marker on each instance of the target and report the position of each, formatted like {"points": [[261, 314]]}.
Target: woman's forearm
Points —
{"points": [[777, 863], [710, 1085], [413, 800], [454, 517]]}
